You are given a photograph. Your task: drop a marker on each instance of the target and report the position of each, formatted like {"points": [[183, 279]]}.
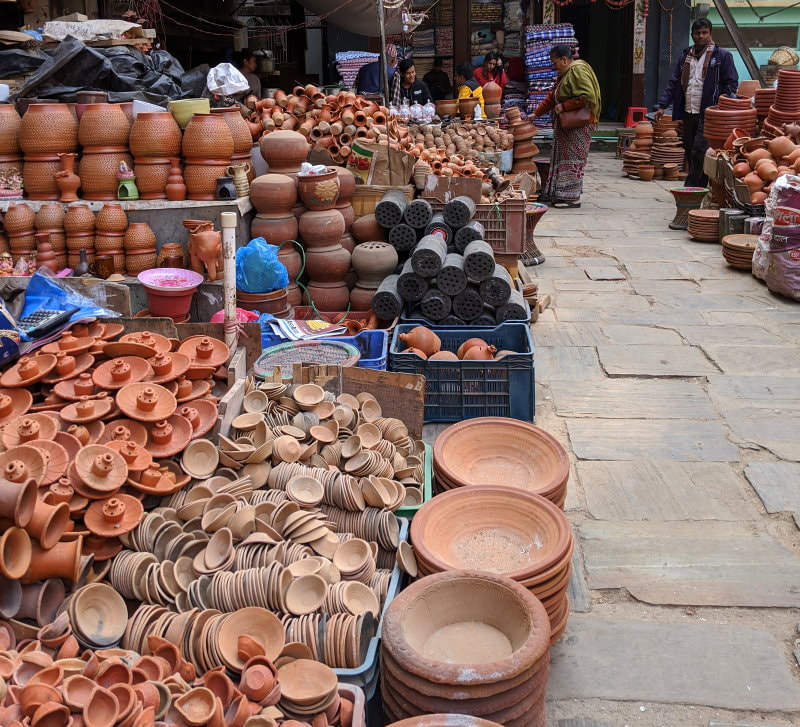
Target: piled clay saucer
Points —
{"points": [[704, 225], [738, 250]]}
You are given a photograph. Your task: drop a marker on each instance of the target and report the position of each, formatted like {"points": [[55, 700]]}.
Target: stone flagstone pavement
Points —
{"points": [[674, 381]]}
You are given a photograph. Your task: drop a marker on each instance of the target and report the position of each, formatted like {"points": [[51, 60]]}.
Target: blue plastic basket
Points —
{"points": [[372, 346], [456, 390]]}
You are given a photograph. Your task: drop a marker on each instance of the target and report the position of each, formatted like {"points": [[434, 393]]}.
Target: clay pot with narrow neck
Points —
{"points": [[44, 252], [423, 339], [492, 93], [175, 189], [68, 182]]}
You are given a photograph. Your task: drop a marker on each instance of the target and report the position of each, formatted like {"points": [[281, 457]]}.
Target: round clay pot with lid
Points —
{"points": [[155, 134], [48, 128]]}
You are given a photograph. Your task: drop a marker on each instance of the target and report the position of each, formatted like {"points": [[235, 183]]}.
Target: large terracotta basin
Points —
{"points": [[496, 529], [444, 720], [500, 451], [466, 627]]}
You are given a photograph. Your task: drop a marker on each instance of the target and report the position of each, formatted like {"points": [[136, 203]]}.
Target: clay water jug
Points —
{"points": [[66, 180]]}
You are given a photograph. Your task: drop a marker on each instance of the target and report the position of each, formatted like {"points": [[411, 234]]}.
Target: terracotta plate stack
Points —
{"points": [[466, 642], [704, 225], [764, 98], [667, 143], [730, 114], [499, 530], [738, 250], [498, 450], [786, 108]]}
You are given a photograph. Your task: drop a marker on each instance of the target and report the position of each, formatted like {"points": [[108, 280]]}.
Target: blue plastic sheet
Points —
{"points": [[258, 269]]}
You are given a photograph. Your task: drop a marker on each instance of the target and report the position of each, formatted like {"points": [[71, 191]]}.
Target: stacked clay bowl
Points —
{"points": [[498, 450], [444, 720], [500, 530], [704, 225], [729, 114], [764, 98], [738, 250], [786, 109], [466, 642]]}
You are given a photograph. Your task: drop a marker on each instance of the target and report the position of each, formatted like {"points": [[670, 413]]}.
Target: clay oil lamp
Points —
{"points": [[113, 517], [120, 372], [14, 403], [88, 409], [169, 436], [27, 428], [135, 455], [146, 402], [56, 459], [28, 371], [168, 367], [68, 366], [188, 390], [201, 414]]}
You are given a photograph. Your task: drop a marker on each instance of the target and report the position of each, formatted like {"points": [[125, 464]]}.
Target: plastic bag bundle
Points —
{"points": [[258, 269]]}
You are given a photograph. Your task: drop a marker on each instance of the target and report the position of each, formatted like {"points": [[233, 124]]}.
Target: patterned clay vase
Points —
{"points": [[319, 191]]}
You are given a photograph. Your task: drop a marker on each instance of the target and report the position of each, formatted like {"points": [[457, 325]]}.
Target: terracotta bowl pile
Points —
{"points": [[738, 250], [704, 225], [729, 114], [466, 642], [667, 145], [501, 451], [760, 161], [786, 108], [764, 98], [499, 530], [88, 426], [123, 687], [525, 150]]}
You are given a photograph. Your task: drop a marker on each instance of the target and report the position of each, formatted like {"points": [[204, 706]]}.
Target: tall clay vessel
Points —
{"points": [[67, 181]]}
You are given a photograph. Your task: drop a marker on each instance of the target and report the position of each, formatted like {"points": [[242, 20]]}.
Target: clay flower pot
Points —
{"points": [[155, 134], [104, 124], [319, 191], [48, 128], [207, 136]]}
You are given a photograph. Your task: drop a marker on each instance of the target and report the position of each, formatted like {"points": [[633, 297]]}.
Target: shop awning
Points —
{"points": [[357, 16]]}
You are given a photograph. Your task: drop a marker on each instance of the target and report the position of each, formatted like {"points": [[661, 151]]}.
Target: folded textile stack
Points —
{"points": [[444, 12], [513, 44], [539, 39], [423, 41], [444, 40], [486, 12], [349, 62]]}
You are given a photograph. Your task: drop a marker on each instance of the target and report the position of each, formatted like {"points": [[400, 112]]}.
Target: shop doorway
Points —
{"points": [[605, 36]]}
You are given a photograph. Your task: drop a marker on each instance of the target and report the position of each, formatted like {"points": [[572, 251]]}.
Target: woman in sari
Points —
{"points": [[576, 88]]}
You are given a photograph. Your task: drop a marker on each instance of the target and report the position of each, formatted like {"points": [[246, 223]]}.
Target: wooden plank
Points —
{"points": [[229, 408]]}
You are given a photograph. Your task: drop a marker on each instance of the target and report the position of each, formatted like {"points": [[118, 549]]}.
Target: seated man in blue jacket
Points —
{"points": [[703, 74], [370, 80]]}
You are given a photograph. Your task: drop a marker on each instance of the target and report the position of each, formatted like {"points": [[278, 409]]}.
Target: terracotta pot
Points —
{"points": [[139, 261], [175, 189], [111, 218], [327, 265], [327, 296], [291, 259], [320, 191], [48, 128], [17, 502], [273, 195], [9, 130], [200, 177], [322, 228], [373, 261], [50, 217], [423, 339], [367, 229], [274, 230], [99, 173], [44, 252], [274, 302], [139, 236], [155, 134], [152, 175], [38, 177], [284, 151], [492, 93], [79, 218], [347, 184], [240, 132], [19, 218], [67, 181], [207, 136], [173, 304], [104, 124]]}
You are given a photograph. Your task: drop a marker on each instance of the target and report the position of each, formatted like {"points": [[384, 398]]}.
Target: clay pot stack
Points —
{"points": [[79, 224], [123, 687], [500, 530], [727, 115], [103, 134], [704, 225], [445, 288], [373, 262], [242, 140], [140, 248], [764, 98], [485, 653], [19, 223], [759, 162], [49, 221], [45, 131], [786, 108], [111, 225], [327, 122], [637, 158], [667, 147], [489, 450], [10, 151], [738, 250], [207, 148], [155, 139], [525, 150]]}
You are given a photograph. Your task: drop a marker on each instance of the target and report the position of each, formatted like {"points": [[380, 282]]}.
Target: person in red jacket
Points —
{"points": [[491, 70]]}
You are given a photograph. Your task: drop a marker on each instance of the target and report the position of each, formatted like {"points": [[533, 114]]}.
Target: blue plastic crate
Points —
{"points": [[457, 390], [372, 346]]}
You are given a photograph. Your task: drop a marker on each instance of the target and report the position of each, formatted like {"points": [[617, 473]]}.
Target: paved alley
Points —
{"points": [[674, 382]]}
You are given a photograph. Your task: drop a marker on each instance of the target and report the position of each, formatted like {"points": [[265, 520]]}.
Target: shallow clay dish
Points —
{"points": [[305, 682], [188, 389], [305, 594], [28, 370], [200, 459], [74, 389], [101, 468], [146, 402], [70, 344], [493, 450], [99, 614], [120, 372], [14, 403], [152, 340], [259, 623]]}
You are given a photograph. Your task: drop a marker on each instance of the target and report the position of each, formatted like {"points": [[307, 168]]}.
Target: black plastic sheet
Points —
{"points": [[124, 71]]}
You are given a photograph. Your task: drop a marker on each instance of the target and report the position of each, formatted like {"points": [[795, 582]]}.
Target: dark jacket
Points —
{"points": [[438, 84], [721, 79], [416, 93], [369, 78]]}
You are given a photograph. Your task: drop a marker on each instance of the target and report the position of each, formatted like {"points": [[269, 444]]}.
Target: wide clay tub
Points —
{"points": [[501, 451], [496, 529], [444, 720]]}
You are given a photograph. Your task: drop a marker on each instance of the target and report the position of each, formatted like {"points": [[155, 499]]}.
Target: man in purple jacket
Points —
{"points": [[703, 74]]}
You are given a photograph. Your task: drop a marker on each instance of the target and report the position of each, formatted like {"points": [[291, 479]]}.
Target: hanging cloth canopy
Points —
{"points": [[357, 16]]}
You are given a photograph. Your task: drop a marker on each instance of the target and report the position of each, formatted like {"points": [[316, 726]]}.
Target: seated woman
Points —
{"points": [[491, 70]]}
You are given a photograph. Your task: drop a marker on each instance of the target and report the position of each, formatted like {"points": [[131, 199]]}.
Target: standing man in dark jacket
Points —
{"points": [[703, 74]]}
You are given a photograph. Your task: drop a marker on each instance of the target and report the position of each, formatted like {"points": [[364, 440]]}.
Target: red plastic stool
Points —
{"points": [[630, 122]]}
